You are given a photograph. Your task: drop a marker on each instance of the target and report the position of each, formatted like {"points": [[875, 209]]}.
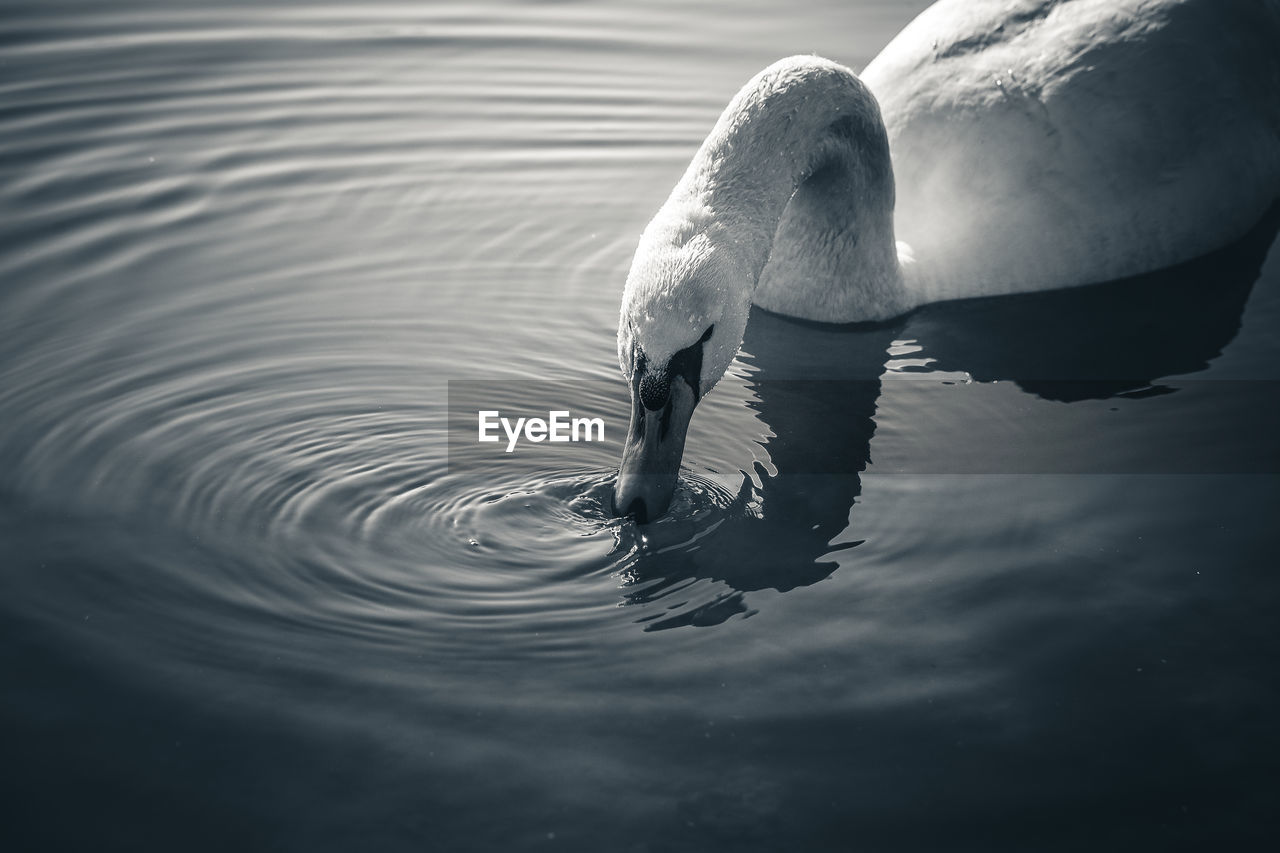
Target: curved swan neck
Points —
{"points": [[796, 185]]}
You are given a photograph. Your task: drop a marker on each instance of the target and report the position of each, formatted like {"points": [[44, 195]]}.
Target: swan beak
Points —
{"points": [[651, 457]]}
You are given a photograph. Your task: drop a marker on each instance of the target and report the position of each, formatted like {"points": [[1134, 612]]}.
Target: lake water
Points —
{"points": [[997, 576]]}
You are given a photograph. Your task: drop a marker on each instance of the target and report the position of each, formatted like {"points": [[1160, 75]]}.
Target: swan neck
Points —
{"points": [[796, 185]]}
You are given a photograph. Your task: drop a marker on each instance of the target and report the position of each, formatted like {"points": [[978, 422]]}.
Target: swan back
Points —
{"points": [[1046, 143]]}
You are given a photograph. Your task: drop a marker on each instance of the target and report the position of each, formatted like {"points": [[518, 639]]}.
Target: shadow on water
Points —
{"points": [[816, 386], [1102, 340]]}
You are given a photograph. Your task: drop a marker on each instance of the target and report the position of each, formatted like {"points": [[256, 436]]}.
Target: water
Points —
{"points": [[994, 576]]}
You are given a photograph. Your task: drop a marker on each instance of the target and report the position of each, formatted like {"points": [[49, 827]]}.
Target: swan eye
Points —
{"points": [[687, 363], [637, 360], [653, 388]]}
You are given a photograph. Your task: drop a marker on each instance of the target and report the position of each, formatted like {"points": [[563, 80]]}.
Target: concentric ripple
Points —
{"points": [[243, 251]]}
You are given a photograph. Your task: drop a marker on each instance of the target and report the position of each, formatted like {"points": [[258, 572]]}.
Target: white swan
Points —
{"points": [[1030, 144]]}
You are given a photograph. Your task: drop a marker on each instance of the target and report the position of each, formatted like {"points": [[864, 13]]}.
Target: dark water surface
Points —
{"points": [[997, 576]]}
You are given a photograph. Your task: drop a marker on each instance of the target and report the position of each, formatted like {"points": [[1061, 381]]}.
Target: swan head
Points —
{"points": [[684, 311]]}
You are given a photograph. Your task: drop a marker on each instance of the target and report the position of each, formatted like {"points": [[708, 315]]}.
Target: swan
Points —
{"points": [[994, 146]]}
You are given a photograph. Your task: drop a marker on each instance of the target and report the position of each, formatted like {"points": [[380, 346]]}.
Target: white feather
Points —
{"points": [[1031, 144]]}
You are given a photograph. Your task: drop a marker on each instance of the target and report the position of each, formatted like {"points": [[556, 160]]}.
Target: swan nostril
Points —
{"points": [[638, 509], [635, 507]]}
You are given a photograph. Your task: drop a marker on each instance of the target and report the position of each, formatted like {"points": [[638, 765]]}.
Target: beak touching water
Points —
{"points": [[655, 445]]}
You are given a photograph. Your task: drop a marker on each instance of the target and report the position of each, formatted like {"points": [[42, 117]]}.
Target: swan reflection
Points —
{"points": [[816, 388]]}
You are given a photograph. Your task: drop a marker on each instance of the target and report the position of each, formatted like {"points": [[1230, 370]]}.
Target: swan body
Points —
{"points": [[1045, 144], [994, 146]]}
